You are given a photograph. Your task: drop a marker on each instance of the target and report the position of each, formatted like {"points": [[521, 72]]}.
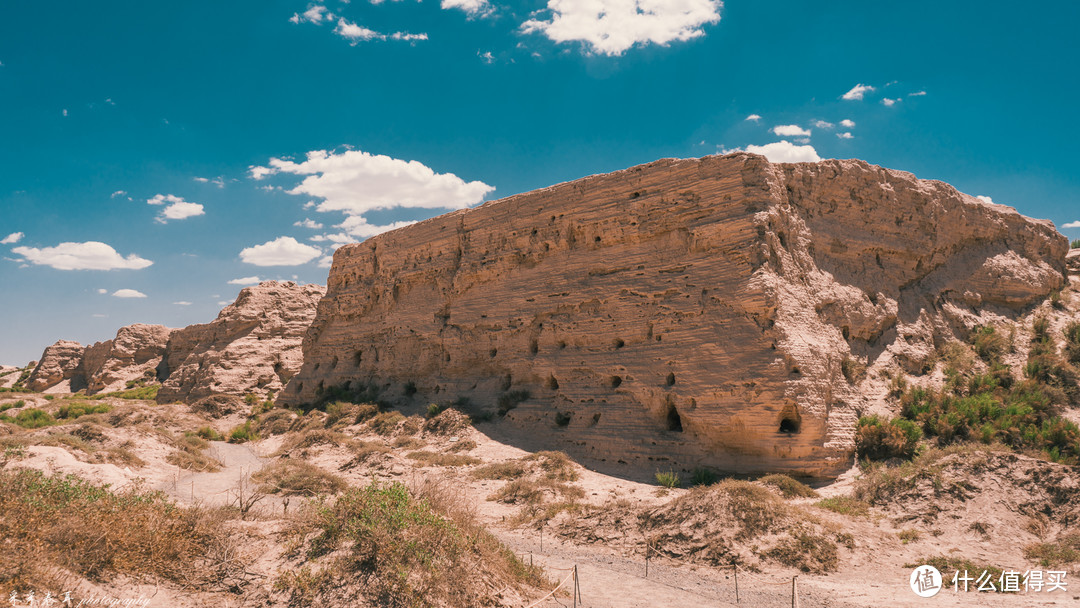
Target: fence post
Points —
{"points": [[647, 546], [794, 592], [736, 569]]}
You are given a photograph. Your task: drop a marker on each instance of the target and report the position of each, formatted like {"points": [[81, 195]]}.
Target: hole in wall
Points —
{"points": [[674, 421], [670, 381], [616, 381]]}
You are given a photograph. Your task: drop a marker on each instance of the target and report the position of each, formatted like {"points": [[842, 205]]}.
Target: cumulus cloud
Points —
{"points": [[821, 124], [326, 261], [176, 209], [987, 199], [245, 281], [314, 14], [118, 193], [356, 34], [847, 122], [103, 291], [786, 152], [12, 238], [890, 102], [473, 8], [308, 223], [406, 36], [357, 226], [91, 255], [1072, 225], [356, 182], [128, 293], [753, 117], [790, 131], [845, 135], [282, 251], [858, 92], [611, 27]]}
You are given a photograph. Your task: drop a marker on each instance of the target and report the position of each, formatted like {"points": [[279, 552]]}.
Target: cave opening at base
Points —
{"points": [[674, 421], [790, 420]]}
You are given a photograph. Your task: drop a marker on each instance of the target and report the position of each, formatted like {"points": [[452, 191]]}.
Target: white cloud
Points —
{"points": [[245, 281], [314, 14], [987, 199], [103, 291], [889, 102], [118, 193], [356, 182], [12, 238], [486, 57], [790, 131], [326, 261], [821, 124], [610, 27], [128, 293], [786, 152], [223, 303], [308, 223], [407, 37], [217, 181], [65, 112], [1072, 225], [917, 94], [359, 227], [309, 205], [753, 117], [259, 172], [91, 255], [282, 251], [356, 33], [182, 303], [858, 92], [473, 8], [177, 209], [845, 135], [847, 122]]}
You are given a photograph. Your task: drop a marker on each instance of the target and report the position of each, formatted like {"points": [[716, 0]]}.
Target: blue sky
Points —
{"points": [[169, 151]]}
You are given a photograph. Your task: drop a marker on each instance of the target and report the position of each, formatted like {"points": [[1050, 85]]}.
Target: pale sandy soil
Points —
{"points": [[611, 574]]}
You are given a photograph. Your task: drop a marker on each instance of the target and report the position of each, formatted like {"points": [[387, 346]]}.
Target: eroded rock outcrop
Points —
{"points": [[134, 354], [681, 313], [252, 346], [60, 368]]}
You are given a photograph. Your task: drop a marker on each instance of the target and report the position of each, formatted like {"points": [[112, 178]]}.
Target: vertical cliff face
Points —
{"points": [[60, 366], [685, 312], [134, 354], [252, 346]]}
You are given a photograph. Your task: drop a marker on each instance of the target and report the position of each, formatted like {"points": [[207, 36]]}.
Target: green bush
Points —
{"points": [[878, 439], [209, 433], [1075, 244], [433, 410], [243, 433], [1072, 342], [30, 418], [7, 406], [702, 476], [80, 408], [148, 393], [668, 479], [989, 344]]}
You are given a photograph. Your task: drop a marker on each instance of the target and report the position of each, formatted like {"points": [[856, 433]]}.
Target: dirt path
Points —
{"points": [[609, 580], [238, 461]]}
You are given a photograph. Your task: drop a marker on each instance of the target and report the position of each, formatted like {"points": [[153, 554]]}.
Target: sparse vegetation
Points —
{"points": [[668, 479], [702, 476], [1075, 244], [243, 433], [500, 470], [949, 566], [878, 439], [442, 460], [209, 433], [845, 505], [788, 487], [30, 418], [12, 405], [1064, 551], [297, 478], [385, 423], [189, 454], [853, 369], [80, 408], [989, 343], [148, 393], [509, 400], [386, 546], [63, 522], [908, 535]]}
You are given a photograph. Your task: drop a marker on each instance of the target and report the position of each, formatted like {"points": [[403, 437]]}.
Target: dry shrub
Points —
{"points": [[447, 422], [297, 477], [53, 522], [1064, 551], [383, 545], [217, 406], [309, 439], [385, 423], [788, 487], [277, 422], [363, 450], [189, 454], [735, 522], [556, 465], [535, 491], [408, 443], [443, 460], [512, 469], [461, 446]]}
